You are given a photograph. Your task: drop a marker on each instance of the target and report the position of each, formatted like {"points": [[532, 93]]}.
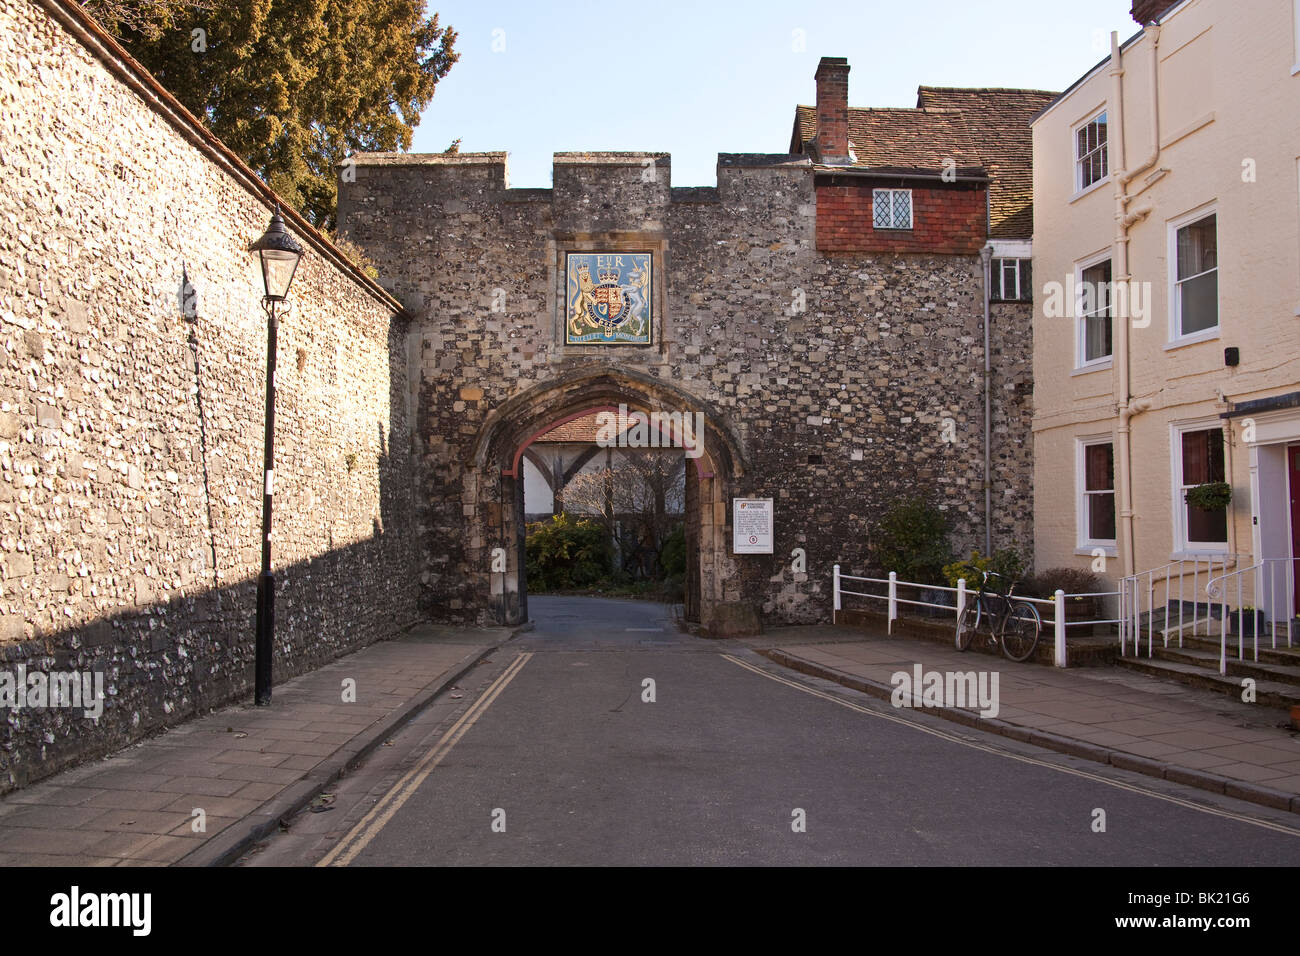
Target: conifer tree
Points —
{"points": [[292, 86]]}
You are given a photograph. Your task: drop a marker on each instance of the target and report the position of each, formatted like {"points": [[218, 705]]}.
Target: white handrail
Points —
{"points": [[1219, 587], [1134, 586]]}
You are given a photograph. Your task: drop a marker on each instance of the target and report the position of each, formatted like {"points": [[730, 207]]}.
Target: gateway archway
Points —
{"points": [[497, 491]]}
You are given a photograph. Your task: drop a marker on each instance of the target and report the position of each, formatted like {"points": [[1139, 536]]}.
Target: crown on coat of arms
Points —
{"points": [[608, 275]]}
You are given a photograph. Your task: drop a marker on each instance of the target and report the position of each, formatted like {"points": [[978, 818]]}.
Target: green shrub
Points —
{"points": [[1006, 562], [566, 553], [912, 539], [672, 554]]}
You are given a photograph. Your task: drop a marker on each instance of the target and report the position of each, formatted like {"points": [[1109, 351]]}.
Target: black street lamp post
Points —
{"points": [[279, 255]]}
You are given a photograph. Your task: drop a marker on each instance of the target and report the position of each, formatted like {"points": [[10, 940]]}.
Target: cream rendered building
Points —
{"points": [[1167, 323]]}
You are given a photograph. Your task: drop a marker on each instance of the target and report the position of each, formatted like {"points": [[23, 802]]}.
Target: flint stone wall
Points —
{"points": [[837, 371], [131, 436]]}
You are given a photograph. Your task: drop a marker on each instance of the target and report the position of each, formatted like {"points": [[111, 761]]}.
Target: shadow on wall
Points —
{"points": [[165, 662]]}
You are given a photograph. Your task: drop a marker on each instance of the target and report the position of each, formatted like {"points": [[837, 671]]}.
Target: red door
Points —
{"points": [[1293, 458]]}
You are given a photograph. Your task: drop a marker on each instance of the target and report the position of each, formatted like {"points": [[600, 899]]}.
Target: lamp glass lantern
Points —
{"points": [[278, 253]]}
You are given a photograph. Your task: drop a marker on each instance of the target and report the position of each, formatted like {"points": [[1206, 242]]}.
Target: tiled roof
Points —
{"points": [[978, 129], [579, 430], [900, 138], [584, 430]]}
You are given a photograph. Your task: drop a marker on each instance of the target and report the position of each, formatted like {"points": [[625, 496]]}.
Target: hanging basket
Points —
{"points": [[1211, 496]]}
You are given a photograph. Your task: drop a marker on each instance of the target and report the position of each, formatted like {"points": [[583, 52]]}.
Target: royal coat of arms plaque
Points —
{"points": [[608, 298]]}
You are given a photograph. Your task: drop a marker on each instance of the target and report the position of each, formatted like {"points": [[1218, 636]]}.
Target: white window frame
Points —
{"points": [[1295, 29], [1174, 299], [1182, 546], [1084, 543], [1079, 187], [911, 209], [998, 291], [1081, 363]]}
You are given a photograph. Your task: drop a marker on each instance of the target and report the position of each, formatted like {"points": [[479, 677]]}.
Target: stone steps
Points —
{"points": [[1281, 655], [1279, 688]]}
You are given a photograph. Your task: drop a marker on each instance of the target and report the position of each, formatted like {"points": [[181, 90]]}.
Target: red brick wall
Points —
{"points": [[946, 219], [833, 109]]}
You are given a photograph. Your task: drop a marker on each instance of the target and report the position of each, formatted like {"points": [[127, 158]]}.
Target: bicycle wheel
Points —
{"points": [[1020, 632], [969, 623]]}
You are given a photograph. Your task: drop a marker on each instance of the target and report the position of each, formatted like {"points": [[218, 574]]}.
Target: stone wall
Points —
{"points": [[131, 435], [1012, 444], [835, 372]]}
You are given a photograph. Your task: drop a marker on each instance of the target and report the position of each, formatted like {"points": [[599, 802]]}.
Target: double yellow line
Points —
{"points": [[374, 821]]}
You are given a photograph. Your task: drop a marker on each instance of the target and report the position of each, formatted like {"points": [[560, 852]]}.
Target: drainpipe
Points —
{"points": [[986, 254], [1127, 407]]}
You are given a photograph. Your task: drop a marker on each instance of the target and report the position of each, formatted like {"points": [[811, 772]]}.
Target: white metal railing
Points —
{"points": [[1140, 588], [1266, 598], [1057, 622]]}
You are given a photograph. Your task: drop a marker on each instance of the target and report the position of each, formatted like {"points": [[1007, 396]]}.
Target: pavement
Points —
{"points": [[203, 792], [1131, 721]]}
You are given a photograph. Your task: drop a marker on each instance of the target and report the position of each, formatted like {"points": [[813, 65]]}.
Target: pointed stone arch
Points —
{"points": [[494, 489]]}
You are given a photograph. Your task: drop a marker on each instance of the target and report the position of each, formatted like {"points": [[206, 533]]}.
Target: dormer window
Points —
{"points": [[892, 208]]}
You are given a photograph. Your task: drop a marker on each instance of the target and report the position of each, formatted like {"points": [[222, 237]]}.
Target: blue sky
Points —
{"points": [[696, 79]]}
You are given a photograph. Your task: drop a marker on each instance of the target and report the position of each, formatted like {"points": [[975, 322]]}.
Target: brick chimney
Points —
{"points": [[833, 110], [1147, 11]]}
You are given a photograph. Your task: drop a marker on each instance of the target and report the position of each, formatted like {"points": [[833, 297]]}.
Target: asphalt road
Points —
{"points": [[552, 756]]}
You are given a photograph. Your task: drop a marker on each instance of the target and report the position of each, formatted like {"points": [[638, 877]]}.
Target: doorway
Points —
{"points": [[498, 520]]}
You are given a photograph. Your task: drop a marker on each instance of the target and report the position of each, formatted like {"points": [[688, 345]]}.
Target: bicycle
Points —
{"points": [[1013, 624]]}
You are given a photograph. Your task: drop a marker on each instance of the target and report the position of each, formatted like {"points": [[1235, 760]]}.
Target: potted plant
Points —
{"points": [[1251, 620], [1077, 581], [1211, 496]]}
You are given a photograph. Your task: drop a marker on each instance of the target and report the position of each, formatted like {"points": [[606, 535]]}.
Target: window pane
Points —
{"points": [[1095, 306], [1090, 151], [1099, 467], [1203, 456], [1101, 517], [1203, 461], [1198, 303], [1097, 338], [1096, 288], [881, 208], [1215, 448], [1196, 458], [1208, 526], [1026, 280], [1198, 248], [902, 208]]}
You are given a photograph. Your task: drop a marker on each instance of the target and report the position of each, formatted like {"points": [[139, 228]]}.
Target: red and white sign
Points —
{"points": [[751, 521]]}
